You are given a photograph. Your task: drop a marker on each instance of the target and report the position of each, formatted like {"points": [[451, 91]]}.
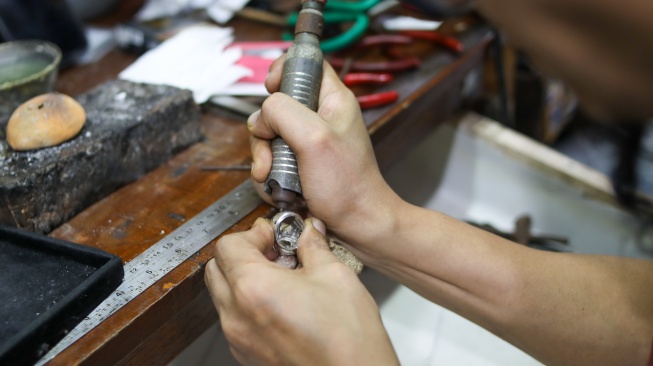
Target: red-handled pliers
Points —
{"points": [[359, 78], [377, 99], [372, 100], [448, 42], [383, 41]]}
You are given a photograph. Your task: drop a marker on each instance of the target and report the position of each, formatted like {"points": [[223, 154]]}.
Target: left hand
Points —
{"points": [[320, 314]]}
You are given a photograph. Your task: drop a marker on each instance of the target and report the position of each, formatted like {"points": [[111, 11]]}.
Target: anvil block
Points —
{"points": [[130, 129]]}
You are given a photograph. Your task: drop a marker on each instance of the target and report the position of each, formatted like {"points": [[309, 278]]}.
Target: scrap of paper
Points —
{"points": [[220, 11], [195, 59], [410, 23]]}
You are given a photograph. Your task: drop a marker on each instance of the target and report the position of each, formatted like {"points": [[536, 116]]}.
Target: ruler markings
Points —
{"points": [[165, 255]]}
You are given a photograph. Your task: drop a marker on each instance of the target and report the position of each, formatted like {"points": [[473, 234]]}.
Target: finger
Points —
{"points": [[333, 91], [280, 113], [255, 241], [313, 249], [330, 81], [273, 80], [283, 116], [335, 97], [219, 289], [235, 250], [262, 158], [260, 188]]}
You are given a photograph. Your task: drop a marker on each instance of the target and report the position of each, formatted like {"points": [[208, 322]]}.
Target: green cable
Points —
{"points": [[337, 43], [357, 6]]}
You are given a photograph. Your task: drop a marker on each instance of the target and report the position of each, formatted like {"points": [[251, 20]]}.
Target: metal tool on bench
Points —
{"points": [[522, 234], [373, 72], [374, 100], [301, 79], [165, 255]]}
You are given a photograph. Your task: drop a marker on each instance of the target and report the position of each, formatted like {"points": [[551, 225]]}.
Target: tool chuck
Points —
{"points": [[301, 79]]}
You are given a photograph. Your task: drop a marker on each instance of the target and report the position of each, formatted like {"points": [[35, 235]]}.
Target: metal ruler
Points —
{"points": [[169, 252]]}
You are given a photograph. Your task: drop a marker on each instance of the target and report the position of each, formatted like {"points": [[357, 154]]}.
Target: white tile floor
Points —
{"points": [[471, 180]]}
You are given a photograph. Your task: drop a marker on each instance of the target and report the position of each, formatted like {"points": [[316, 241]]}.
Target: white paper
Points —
{"points": [[220, 11], [409, 23], [223, 10], [194, 59], [245, 89]]}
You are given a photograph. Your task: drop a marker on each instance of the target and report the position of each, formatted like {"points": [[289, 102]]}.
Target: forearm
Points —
{"points": [[560, 308], [443, 259]]}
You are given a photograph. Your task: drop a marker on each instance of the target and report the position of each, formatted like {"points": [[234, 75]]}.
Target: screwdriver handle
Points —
{"points": [[301, 79]]}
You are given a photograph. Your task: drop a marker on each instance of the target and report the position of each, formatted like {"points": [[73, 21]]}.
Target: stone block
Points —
{"points": [[130, 129]]}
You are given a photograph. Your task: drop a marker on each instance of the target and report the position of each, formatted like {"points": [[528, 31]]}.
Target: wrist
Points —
{"points": [[373, 223]]}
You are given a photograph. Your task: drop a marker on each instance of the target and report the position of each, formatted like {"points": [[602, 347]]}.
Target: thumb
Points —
{"points": [[313, 249], [281, 115]]}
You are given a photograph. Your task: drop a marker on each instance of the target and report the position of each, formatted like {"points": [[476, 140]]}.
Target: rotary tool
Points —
{"points": [[301, 79]]}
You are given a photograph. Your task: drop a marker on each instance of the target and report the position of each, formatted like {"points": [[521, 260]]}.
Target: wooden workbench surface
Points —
{"points": [[168, 316]]}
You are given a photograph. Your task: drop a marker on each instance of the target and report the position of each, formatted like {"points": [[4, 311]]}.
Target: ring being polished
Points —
{"points": [[288, 226]]}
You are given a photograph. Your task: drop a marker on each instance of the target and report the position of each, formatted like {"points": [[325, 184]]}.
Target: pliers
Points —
{"points": [[374, 72], [450, 43], [368, 101], [522, 235], [383, 41]]}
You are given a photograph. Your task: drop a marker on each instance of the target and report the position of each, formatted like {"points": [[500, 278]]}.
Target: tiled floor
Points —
{"points": [[470, 180]]}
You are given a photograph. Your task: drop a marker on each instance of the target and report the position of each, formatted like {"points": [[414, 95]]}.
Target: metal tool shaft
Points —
{"points": [[301, 79]]}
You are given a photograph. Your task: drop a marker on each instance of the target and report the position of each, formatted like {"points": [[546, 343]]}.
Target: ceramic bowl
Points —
{"points": [[27, 69]]}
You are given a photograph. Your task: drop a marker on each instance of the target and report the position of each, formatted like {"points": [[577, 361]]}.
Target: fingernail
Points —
{"points": [[252, 119], [319, 226]]}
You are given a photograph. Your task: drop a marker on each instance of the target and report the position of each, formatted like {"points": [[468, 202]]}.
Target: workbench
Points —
{"points": [[167, 317]]}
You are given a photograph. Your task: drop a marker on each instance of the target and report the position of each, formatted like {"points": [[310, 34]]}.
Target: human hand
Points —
{"points": [[320, 314], [340, 178]]}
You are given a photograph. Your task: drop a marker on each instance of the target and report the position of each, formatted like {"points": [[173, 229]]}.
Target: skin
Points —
{"points": [[309, 322], [600, 48], [561, 308]]}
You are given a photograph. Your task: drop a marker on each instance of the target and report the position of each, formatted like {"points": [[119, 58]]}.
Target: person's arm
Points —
{"points": [[560, 308], [603, 49]]}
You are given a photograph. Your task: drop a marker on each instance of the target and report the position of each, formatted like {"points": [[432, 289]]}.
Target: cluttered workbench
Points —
{"points": [[166, 317]]}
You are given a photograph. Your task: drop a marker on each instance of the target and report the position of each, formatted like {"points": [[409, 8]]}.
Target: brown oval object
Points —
{"points": [[45, 120]]}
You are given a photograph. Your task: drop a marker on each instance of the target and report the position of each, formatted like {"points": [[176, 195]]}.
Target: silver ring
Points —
{"points": [[288, 226]]}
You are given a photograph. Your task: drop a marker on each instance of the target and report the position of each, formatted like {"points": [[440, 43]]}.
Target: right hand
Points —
{"points": [[320, 314], [340, 178]]}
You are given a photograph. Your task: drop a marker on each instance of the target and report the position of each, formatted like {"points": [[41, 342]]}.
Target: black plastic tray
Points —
{"points": [[47, 286]]}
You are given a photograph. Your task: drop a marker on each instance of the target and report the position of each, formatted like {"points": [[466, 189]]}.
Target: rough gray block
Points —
{"points": [[130, 129]]}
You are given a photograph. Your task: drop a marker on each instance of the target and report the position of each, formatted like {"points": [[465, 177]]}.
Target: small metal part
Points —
{"points": [[522, 235], [288, 226], [310, 21]]}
